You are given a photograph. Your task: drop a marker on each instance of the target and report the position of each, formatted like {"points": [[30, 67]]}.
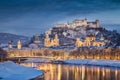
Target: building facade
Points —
{"points": [[51, 42], [89, 41]]}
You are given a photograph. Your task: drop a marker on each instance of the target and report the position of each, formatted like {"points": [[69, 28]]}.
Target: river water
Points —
{"points": [[76, 72]]}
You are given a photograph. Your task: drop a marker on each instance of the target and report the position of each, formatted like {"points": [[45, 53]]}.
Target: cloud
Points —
{"points": [[36, 16]]}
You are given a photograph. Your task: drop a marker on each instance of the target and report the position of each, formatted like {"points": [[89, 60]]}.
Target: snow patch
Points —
{"points": [[109, 63], [12, 71]]}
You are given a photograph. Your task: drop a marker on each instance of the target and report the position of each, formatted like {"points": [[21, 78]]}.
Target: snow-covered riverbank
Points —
{"points": [[108, 63], [12, 71]]}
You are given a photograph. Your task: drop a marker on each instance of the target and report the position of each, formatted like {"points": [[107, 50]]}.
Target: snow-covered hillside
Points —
{"points": [[112, 27], [6, 37]]}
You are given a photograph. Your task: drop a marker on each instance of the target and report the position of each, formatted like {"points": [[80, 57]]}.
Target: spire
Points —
{"points": [[101, 37], [47, 40], [47, 35], [19, 44]]}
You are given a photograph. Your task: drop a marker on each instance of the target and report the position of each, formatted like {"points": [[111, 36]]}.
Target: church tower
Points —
{"points": [[10, 45], [56, 40], [78, 43], [47, 41], [19, 44], [37, 39]]}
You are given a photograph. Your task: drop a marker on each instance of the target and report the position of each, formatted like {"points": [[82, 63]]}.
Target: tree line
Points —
{"points": [[3, 55], [109, 53]]}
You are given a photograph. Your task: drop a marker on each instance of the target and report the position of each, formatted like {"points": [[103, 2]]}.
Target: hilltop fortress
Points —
{"points": [[78, 22], [70, 34]]}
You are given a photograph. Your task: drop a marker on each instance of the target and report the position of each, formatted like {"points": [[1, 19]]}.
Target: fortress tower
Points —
{"points": [[19, 44], [97, 23]]}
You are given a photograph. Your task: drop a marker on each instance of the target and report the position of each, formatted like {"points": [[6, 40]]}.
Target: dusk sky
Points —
{"points": [[28, 17]]}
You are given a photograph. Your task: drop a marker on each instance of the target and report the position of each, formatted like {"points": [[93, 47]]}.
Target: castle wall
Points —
{"points": [[61, 25], [83, 23], [92, 25]]}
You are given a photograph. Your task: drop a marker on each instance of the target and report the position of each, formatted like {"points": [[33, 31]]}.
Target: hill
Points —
{"points": [[6, 37]]}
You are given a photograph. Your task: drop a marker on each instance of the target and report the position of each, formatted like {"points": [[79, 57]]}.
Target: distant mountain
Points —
{"points": [[112, 27], [6, 37]]}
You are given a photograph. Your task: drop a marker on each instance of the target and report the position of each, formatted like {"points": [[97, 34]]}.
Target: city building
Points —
{"points": [[89, 41], [51, 42]]}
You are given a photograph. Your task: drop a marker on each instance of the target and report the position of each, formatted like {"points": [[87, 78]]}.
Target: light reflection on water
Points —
{"points": [[74, 72]]}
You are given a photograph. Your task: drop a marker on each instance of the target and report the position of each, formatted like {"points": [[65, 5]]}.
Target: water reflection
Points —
{"points": [[73, 72]]}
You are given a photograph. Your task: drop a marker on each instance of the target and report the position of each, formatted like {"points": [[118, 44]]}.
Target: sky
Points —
{"points": [[28, 17]]}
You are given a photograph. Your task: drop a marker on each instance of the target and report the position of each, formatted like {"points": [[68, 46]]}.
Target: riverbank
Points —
{"points": [[12, 71], [106, 63]]}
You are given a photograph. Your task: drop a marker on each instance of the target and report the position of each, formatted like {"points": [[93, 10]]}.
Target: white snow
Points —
{"points": [[3, 45], [12, 71], [109, 63]]}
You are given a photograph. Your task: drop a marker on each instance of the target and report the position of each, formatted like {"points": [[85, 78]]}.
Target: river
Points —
{"points": [[75, 72]]}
